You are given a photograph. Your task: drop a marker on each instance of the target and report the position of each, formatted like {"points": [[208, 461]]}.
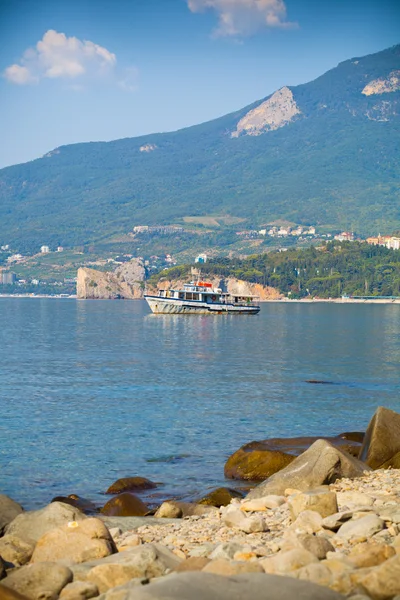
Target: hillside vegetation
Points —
{"points": [[332, 270], [335, 165]]}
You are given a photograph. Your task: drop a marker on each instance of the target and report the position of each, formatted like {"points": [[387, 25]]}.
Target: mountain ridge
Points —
{"points": [[334, 165]]}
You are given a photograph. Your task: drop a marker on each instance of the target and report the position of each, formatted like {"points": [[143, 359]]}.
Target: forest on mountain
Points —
{"points": [[332, 270]]}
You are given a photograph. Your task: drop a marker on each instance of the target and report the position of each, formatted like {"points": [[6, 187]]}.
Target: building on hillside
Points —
{"points": [[201, 258], [263, 232], [297, 231], [44, 249], [393, 243], [8, 278], [345, 236], [60, 249], [284, 231], [311, 230], [15, 258]]}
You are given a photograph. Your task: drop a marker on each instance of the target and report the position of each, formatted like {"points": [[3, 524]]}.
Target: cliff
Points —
{"points": [[126, 282]]}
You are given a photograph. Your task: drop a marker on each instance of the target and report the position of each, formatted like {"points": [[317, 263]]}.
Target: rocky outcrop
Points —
{"points": [[321, 464], [258, 460], [383, 85], [125, 505], [276, 112], [126, 282], [9, 509], [382, 439]]}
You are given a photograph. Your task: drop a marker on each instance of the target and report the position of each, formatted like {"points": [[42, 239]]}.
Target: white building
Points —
{"points": [[44, 249], [201, 258], [393, 243], [60, 249], [263, 232]]}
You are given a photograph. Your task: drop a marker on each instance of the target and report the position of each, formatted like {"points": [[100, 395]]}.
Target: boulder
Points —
{"points": [[76, 542], [256, 461], [83, 504], [125, 505], [79, 590], [31, 525], [317, 545], [324, 503], [382, 439], [43, 581], [8, 594], [141, 562], [9, 509], [370, 554], [15, 551], [321, 464], [131, 484], [220, 497], [206, 586]]}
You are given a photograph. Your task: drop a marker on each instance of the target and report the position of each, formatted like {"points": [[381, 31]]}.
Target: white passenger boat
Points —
{"points": [[199, 297]]}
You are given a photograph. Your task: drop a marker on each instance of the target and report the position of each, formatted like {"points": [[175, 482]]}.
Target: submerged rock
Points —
{"points": [[220, 497], [125, 505], [131, 484]]}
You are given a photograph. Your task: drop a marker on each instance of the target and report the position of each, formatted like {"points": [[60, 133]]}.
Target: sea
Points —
{"points": [[91, 391]]}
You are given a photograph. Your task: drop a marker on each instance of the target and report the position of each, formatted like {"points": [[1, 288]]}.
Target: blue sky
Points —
{"points": [[87, 70]]}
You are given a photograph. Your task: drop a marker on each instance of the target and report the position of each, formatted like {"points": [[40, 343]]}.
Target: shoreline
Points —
{"points": [[264, 301]]}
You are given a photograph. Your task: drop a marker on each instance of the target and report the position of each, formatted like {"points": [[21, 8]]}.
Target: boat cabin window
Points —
{"points": [[191, 296], [181, 295]]}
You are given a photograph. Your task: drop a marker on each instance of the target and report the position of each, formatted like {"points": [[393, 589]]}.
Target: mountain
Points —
{"points": [[324, 153]]}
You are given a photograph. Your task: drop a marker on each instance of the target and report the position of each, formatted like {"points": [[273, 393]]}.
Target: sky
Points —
{"points": [[88, 70]]}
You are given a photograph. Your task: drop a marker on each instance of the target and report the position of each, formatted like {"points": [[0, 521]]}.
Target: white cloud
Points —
{"points": [[244, 17], [59, 56]]}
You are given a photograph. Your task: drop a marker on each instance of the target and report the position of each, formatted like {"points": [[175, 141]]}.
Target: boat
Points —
{"points": [[201, 298]]}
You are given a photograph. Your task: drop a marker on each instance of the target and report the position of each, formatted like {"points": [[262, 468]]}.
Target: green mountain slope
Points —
{"points": [[335, 164]]}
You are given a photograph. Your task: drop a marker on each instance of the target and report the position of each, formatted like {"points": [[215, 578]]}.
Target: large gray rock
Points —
{"points": [[33, 524], [9, 509], [363, 527], [208, 586], [76, 542], [43, 581], [382, 439], [321, 464]]}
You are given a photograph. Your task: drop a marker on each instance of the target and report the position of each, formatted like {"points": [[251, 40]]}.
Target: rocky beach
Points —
{"points": [[326, 525]]}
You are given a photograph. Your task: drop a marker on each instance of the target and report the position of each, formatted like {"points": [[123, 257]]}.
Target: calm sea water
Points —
{"points": [[91, 391]]}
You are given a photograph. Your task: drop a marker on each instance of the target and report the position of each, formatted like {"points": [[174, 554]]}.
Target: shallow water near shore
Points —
{"points": [[91, 391]]}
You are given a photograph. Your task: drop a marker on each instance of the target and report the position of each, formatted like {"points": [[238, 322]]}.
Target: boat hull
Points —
{"points": [[160, 305]]}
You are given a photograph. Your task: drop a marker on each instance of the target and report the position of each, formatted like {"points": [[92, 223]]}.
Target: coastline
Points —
{"points": [[264, 301]]}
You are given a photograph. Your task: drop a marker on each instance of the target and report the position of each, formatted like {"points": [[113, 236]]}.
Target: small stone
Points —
{"points": [[324, 504], [317, 545], [244, 556], [79, 590], [353, 499], [226, 550], [308, 521], [262, 504], [334, 522], [193, 563], [286, 562], [364, 527], [169, 510], [128, 542], [236, 518], [314, 572]]}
